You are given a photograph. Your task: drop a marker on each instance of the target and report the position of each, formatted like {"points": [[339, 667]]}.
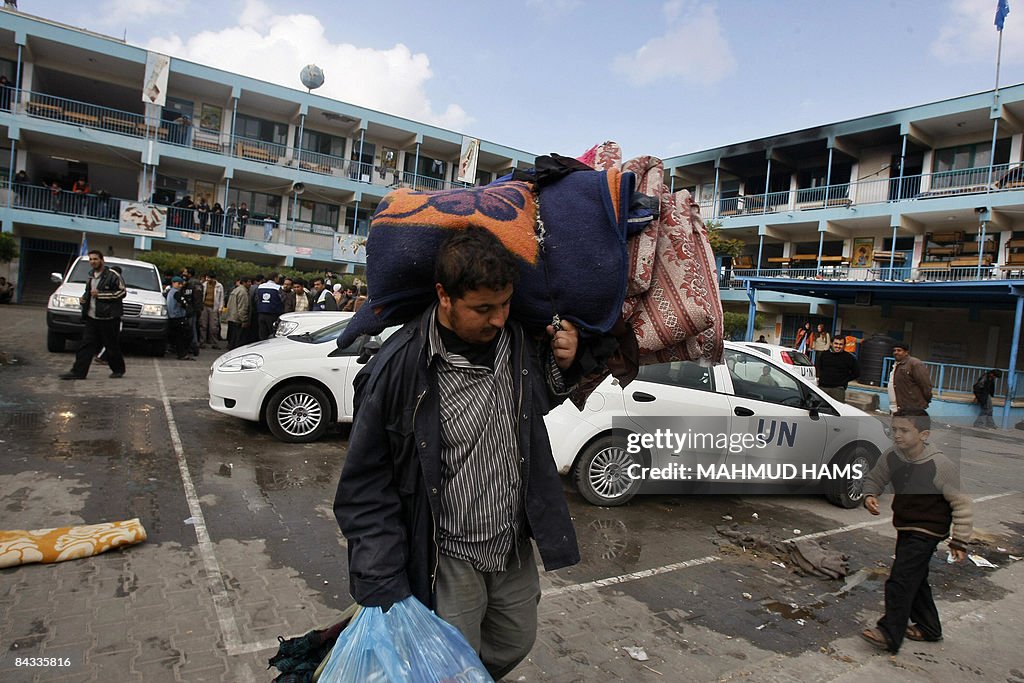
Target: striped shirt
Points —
{"points": [[481, 479]]}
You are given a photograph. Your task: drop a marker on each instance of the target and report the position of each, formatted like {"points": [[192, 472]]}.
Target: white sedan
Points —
{"points": [[307, 321], [799, 363], [299, 385], [766, 423]]}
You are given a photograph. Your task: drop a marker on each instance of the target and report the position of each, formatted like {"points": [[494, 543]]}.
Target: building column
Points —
{"points": [[1011, 381]]}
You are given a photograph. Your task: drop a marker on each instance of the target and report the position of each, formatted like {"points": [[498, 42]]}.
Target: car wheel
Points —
{"points": [[602, 473], [55, 342], [848, 492], [298, 413]]}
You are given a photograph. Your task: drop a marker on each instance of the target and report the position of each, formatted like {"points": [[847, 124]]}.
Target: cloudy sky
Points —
{"points": [[661, 78]]}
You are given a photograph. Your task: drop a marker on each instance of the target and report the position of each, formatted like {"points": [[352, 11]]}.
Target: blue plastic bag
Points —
{"points": [[406, 644]]}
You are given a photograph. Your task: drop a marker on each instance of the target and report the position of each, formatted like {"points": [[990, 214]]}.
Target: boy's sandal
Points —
{"points": [[875, 637], [915, 633]]}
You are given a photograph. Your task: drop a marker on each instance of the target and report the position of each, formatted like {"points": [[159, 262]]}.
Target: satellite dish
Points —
{"points": [[312, 76]]}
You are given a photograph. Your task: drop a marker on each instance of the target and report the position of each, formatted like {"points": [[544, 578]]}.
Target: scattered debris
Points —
{"points": [[755, 516], [779, 564], [192, 520], [654, 670], [800, 622], [797, 532], [727, 518], [637, 653], [761, 627], [980, 561], [748, 596], [1013, 557], [1002, 550]]}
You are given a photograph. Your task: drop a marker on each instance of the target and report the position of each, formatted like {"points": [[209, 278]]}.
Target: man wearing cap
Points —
{"points": [[178, 331]]}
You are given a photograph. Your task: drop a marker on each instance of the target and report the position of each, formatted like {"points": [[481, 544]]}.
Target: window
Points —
{"points": [[259, 129], [484, 177], [358, 170], [758, 379], [426, 166], [318, 213], [321, 143], [967, 164], [358, 225], [260, 204], [684, 374]]}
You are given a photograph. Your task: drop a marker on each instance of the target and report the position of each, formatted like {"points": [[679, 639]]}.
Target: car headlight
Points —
{"points": [[248, 361], [154, 310], [285, 327], [65, 301]]}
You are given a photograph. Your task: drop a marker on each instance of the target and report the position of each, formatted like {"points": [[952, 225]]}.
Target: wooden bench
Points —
{"points": [[779, 261], [1015, 259], [933, 265], [972, 247], [742, 263], [970, 261], [81, 118], [206, 145], [316, 168], [257, 153], [942, 251], [946, 237], [118, 124], [883, 257], [50, 111]]}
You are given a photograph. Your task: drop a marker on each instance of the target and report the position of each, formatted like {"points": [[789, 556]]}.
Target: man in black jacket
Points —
{"points": [[101, 313], [984, 389], [836, 369], [449, 470]]}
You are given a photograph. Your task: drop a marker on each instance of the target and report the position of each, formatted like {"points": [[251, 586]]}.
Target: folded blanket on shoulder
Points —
{"points": [[572, 260], [67, 543]]}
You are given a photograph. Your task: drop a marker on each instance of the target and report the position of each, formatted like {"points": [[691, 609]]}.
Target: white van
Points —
{"points": [[145, 310]]}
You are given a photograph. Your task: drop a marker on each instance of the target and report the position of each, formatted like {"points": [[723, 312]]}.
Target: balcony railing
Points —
{"points": [[102, 206], [735, 278], [1004, 177], [87, 115], [184, 134], [950, 378]]}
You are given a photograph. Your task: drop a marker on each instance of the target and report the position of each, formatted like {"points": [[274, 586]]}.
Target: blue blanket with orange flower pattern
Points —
{"points": [[572, 261]]}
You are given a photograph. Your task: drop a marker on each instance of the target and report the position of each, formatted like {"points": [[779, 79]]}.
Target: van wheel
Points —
{"points": [[848, 492], [602, 473], [298, 413], [55, 342]]}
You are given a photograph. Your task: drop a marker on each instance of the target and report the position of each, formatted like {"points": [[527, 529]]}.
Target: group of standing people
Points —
{"points": [[215, 219], [813, 341]]}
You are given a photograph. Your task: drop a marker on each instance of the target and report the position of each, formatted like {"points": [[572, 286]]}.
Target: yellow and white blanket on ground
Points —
{"points": [[67, 543]]}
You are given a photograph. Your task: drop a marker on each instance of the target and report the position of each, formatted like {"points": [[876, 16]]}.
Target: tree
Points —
{"points": [[735, 324], [8, 247], [721, 245]]}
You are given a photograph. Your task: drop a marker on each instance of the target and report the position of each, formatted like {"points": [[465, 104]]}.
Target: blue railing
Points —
{"points": [[1004, 177], [957, 379]]}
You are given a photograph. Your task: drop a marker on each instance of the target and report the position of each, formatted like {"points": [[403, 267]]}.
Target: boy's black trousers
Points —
{"points": [[908, 597]]}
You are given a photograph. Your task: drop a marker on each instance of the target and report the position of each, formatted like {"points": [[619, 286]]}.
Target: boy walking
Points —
{"points": [[927, 501]]}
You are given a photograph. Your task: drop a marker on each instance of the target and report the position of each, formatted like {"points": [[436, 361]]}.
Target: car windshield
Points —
{"points": [[135, 277], [333, 331], [799, 358]]}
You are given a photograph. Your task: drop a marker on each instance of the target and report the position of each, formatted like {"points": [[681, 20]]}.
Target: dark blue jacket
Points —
{"points": [[389, 495], [269, 300]]}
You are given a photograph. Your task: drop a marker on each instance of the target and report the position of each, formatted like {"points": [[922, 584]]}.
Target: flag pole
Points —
{"points": [[1002, 9]]}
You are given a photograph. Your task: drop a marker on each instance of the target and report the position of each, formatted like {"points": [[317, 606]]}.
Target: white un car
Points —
{"points": [[299, 385], [750, 394]]}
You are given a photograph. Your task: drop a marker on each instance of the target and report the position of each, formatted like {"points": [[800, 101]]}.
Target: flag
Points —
{"points": [[84, 249], [1002, 9]]}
